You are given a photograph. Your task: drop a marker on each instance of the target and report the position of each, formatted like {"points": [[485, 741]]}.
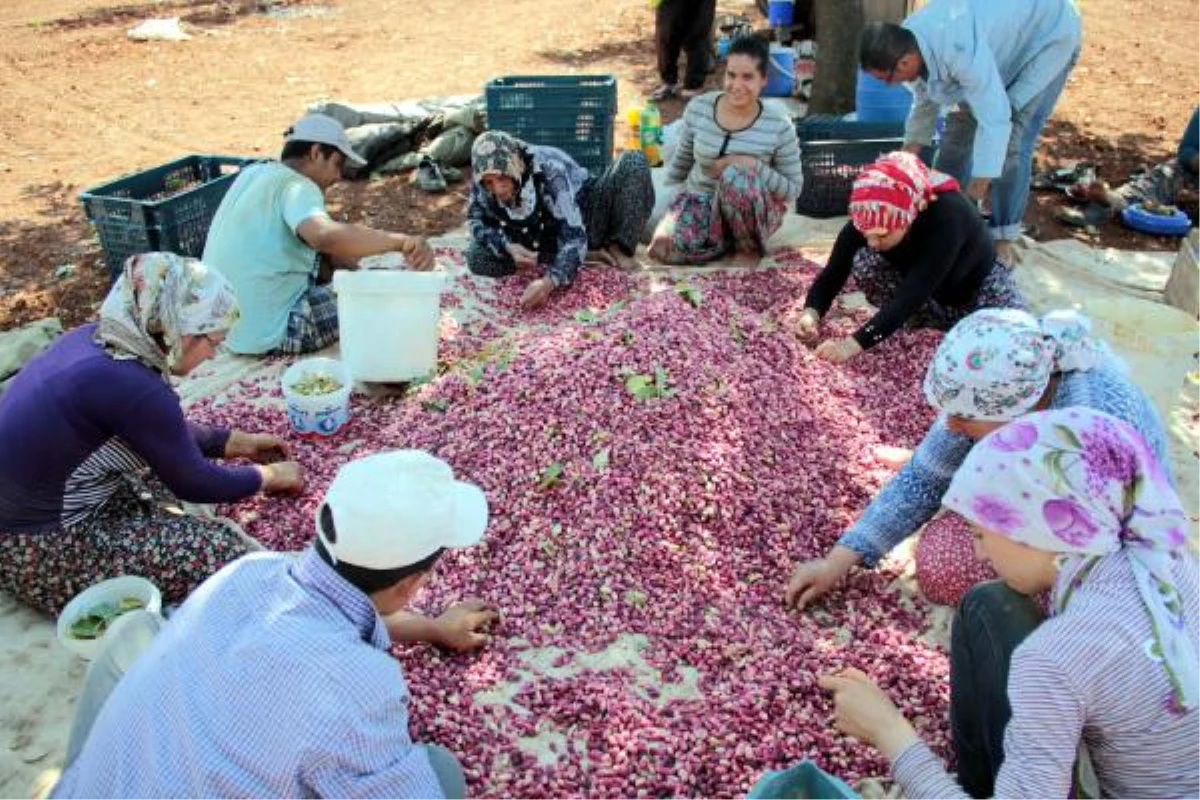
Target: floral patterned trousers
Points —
{"points": [[879, 280], [132, 534], [740, 216]]}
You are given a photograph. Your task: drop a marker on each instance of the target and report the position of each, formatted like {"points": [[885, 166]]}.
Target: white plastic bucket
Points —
{"points": [[111, 591], [388, 322], [317, 414]]}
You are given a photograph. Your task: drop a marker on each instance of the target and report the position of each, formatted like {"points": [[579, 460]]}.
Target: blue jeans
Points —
{"points": [[1010, 192]]}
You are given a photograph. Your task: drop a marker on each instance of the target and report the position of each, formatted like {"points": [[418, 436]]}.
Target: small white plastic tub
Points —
{"points": [[109, 592], [317, 414]]}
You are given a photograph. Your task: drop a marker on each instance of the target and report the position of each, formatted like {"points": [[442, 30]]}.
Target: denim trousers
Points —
{"points": [[991, 621], [1009, 192]]}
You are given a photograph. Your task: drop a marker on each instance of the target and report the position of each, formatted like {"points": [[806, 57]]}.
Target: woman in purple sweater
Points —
{"points": [[89, 421], [1075, 503]]}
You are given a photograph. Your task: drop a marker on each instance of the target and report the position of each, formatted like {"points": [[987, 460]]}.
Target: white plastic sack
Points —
{"points": [[159, 30]]}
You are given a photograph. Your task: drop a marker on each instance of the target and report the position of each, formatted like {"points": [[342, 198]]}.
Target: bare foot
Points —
{"points": [[1005, 253], [893, 457], [743, 258], [660, 249], [622, 261]]}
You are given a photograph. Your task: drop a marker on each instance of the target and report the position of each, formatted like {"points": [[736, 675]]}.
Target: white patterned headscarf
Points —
{"points": [[163, 297], [1086, 485], [995, 364]]}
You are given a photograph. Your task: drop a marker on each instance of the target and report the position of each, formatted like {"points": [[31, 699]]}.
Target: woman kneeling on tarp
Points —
{"points": [[94, 443], [1073, 502], [532, 207], [918, 250]]}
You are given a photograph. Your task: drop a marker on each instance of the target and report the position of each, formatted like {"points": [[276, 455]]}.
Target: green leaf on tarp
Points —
{"points": [[437, 405], [690, 293], [551, 476], [641, 386]]}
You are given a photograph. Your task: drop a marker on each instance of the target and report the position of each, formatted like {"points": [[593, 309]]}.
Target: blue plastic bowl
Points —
{"points": [[1142, 220]]}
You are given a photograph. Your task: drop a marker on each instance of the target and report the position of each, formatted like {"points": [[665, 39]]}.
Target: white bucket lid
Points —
{"points": [[389, 281]]}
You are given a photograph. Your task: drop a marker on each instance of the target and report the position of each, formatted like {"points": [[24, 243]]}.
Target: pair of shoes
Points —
{"points": [[1064, 178], [428, 176], [665, 92], [690, 93]]}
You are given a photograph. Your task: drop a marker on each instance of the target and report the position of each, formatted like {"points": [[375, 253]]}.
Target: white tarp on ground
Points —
{"points": [[40, 680]]}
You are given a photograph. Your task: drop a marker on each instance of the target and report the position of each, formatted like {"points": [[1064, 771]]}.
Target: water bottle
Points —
{"points": [[652, 133]]}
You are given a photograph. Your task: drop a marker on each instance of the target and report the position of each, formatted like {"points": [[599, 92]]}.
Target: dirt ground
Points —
{"points": [[80, 103]]}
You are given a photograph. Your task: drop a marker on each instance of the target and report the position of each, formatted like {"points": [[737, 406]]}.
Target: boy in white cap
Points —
{"points": [[274, 678], [269, 231]]}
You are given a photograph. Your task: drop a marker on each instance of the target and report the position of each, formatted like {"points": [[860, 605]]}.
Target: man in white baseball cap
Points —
{"points": [[271, 230], [274, 679]]}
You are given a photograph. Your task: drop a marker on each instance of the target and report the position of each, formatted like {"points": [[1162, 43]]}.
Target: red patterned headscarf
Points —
{"points": [[891, 192]]}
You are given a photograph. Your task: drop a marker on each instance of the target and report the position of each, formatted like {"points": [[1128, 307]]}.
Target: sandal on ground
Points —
{"points": [[1092, 216], [665, 92], [1064, 178], [428, 176], [687, 93]]}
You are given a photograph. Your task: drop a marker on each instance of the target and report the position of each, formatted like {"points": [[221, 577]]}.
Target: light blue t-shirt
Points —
{"points": [[253, 242]]}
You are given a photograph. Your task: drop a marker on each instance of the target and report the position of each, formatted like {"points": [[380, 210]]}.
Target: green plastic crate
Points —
{"points": [[167, 208], [575, 113]]}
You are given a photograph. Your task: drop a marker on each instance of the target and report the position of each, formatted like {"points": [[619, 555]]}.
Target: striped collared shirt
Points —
{"points": [[1088, 675], [272, 680]]}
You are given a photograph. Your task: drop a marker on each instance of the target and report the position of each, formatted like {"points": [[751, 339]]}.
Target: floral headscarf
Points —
{"points": [[892, 191], [1084, 484], [995, 364], [165, 295], [498, 153]]}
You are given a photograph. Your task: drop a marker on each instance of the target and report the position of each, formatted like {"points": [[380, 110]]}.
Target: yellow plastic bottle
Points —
{"points": [[651, 133], [633, 135]]}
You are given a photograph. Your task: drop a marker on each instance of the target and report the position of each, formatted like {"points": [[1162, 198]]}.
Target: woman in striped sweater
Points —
{"points": [[741, 162], [94, 446], [1073, 502]]}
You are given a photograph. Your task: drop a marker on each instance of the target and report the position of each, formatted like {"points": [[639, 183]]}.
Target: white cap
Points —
{"points": [[323, 129], [393, 509]]}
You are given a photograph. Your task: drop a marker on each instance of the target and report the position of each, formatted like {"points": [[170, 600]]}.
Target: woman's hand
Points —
{"points": [[536, 294], [838, 351], [261, 448], [524, 257], [282, 477], [863, 711], [805, 325], [417, 253]]}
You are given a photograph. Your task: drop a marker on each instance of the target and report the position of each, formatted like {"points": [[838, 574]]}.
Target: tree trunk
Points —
{"points": [[838, 24]]}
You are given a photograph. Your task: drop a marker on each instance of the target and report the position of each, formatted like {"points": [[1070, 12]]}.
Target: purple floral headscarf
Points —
{"points": [[1086, 485]]}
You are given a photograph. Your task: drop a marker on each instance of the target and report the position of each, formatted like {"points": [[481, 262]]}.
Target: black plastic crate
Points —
{"points": [[829, 170], [830, 127], [167, 208], [574, 113]]}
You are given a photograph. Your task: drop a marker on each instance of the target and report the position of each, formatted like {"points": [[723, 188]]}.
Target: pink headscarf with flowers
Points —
{"points": [[891, 192], [1086, 485]]}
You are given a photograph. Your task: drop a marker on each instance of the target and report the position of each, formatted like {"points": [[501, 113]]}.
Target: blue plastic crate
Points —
{"points": [[575, 113], [829, 170], [830, 127], [167, 208]]}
